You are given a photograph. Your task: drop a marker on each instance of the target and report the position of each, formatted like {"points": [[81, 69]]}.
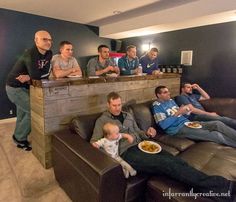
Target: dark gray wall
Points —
{"points": [[214, 55], [17, 33]]}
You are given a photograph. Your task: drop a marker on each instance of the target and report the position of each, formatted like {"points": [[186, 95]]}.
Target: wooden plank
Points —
{"points": [[45, 158], [36, 100], [37, 122], [44, 141]]}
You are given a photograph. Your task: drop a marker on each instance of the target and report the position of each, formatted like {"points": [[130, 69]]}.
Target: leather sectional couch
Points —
{"points": [[88, 175]]}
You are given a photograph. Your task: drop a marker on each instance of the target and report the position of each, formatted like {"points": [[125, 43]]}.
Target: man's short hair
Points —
{"points": [[158, 89], [184, 83], [129, 47], [62, 43], [154, 50], [112, 96], [102, 46]]}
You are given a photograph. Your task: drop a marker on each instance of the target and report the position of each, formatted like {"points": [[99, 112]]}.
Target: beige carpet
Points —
{"points": [[22, 178]]}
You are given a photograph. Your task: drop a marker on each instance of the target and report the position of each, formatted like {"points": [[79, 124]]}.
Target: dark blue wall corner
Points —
{"points": [[17, 33], [214, 51]]}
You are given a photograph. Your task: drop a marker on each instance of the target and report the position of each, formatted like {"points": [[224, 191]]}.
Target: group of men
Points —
{"points": [[35, 64], [64, 64], [129, 64]]}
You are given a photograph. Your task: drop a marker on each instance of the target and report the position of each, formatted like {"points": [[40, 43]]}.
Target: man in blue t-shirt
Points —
{"points": [[171, 119], [129, 64], [198, 113], [149, 62]]}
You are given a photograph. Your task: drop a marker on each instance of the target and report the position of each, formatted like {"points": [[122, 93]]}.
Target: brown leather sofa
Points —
{"points": [[88, 175]]}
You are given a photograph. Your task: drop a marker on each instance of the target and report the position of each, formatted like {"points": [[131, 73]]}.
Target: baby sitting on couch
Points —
{"points": [[110, 143]]}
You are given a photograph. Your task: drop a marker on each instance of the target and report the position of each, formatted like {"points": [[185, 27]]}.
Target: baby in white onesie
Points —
{"points": [[110, 143]]}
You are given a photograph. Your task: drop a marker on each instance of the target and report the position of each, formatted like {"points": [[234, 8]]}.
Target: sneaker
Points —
{"points": [[25, 145]]}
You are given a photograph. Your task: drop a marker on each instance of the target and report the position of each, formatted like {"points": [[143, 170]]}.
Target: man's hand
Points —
{"points": [[138, 71], [116, 69], [95, 145], [23, 78], [156, 72], [110, 68], [184, 109], [204, 94], [195, 86], [151, 132], [76, 71]]}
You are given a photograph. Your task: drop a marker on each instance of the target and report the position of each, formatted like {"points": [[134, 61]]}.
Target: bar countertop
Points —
{"points": [[54, 82]]}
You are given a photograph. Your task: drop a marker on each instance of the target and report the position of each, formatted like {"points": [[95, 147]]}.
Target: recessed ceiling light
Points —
{"points": [[117, 12]]}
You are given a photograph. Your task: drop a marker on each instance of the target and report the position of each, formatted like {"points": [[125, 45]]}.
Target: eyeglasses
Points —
{"points": [[47, 40]]}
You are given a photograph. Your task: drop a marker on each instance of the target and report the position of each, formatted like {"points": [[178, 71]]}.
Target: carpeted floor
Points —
{"points": [[22, 178]]}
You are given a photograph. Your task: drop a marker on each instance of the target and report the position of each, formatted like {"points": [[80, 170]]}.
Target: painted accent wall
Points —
{"points": [[17, 33], [214, 55]]}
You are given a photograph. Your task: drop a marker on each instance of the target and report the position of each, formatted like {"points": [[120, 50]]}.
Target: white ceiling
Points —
{"points": [[137, 17]]}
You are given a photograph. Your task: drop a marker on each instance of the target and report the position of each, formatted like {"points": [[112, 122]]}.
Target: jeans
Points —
{"points": [[20, 97], [214, 131], [226, 120], [164, 163]]}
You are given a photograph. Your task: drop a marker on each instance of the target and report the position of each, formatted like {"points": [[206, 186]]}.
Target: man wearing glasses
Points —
{"points": [[33, 64], [170, 117]]}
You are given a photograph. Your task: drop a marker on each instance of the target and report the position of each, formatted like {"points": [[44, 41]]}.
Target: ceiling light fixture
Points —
{"points": [[146, 47]]}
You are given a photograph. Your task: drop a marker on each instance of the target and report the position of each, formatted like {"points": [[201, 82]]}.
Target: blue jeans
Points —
{"points": [[174, 167], [20, 97], [226, 120], [214, 131]]}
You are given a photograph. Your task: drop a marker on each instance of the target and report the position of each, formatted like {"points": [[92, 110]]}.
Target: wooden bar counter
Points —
{"points": [[55, 101]]}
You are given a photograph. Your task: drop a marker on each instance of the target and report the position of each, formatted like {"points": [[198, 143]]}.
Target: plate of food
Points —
{"points": [[74, 76], [112, 75], [149, 147], [193, 124], [93, 77]]}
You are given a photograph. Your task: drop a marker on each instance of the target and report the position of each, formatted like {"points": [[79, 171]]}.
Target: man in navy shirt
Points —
{"points": [[149, 62], [198, 113]]}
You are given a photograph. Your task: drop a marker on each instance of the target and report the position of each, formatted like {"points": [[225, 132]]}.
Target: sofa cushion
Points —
{"points": [[143, 115], [222, 106], [179, 143], [212, 159], [83, 125]]}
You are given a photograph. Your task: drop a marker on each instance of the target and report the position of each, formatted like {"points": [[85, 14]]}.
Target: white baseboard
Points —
{"points": [[8, 120]]}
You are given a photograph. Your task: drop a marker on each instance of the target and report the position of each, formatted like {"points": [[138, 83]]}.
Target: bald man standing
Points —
{"points": [[33, 64]]}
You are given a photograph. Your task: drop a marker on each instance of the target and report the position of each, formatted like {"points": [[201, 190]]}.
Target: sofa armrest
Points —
{"points": [[85, 173], [222, 106]]}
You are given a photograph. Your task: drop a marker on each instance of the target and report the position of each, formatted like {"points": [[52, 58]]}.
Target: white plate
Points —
{"points": [[187, 124], [93, 77], [112, 75], [74, 76], [149, 142]]}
